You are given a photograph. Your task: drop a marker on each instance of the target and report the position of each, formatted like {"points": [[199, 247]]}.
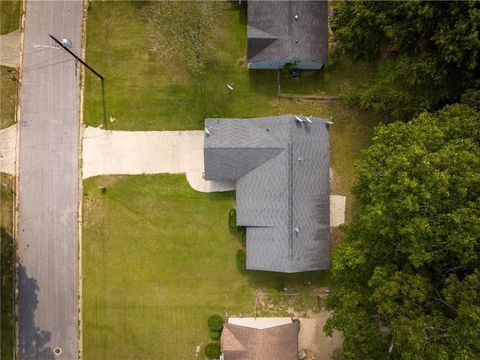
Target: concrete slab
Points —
{"points": [[337, 210], [10, 49], [8, 143], [311, 336]]}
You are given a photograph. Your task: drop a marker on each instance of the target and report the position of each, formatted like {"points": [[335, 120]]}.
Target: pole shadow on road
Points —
{"points": [[32, 340]]}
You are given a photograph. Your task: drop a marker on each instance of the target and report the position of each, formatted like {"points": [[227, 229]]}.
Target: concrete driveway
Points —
{"points": [[107, 152]]}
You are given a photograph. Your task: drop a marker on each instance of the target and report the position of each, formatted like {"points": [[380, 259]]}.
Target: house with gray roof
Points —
{"points": [[280, 166], [281, 32]]}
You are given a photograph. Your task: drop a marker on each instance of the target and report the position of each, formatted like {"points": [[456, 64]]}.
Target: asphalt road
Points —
{"points": [[49, 184]]}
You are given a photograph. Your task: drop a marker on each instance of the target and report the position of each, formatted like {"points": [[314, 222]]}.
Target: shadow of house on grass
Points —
{"points": [[32, 340], [294, 281]]}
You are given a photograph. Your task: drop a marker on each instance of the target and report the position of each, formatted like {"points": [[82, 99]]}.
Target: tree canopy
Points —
{"points": [[429, 51], [407, 272]]}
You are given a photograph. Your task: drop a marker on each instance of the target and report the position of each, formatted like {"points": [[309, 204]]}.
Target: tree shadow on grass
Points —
{"points": [[7, 295], [242, 11], [32, 340]]}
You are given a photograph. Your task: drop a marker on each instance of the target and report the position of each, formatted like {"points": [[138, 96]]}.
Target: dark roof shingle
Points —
{"points": [[274, 33], [281, 169]]}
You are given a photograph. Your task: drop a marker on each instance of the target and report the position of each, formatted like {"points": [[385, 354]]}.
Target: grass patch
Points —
{"points": [[8, 96], [158, 260], [6, 265], [10, 16], [340, 77]]}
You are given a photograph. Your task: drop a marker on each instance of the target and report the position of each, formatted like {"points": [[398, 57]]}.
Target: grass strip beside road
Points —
{"points": [[8, 96], [10, 12]]}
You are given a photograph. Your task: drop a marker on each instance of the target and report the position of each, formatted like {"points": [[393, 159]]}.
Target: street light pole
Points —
{"points": [[75, 56]]}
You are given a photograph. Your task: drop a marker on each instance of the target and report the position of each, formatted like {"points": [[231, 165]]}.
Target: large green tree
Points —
{"points": [[407, 272], [429, 51]]}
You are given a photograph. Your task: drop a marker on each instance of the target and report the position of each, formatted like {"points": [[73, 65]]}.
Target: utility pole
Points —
{"points": [[76, 57]]}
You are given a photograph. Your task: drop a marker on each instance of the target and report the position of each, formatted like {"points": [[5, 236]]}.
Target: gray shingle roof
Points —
{"points": [[276, 192], [274, 34]]}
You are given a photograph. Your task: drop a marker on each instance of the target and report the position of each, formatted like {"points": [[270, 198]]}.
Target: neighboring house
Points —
{"points": [[281, 32], [281, 169], [260, 339]]}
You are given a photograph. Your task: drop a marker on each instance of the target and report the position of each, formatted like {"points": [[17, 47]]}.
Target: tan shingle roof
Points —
{"points": [[275, 343]]}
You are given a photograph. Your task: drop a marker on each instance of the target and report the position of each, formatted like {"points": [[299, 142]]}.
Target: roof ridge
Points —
{"points": [[263, 164], [254, 32]]}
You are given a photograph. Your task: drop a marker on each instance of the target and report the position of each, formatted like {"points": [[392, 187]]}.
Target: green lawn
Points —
{"points": [[158, 259], [6, 265], [142, 94], [8, 96], [10, 11]]}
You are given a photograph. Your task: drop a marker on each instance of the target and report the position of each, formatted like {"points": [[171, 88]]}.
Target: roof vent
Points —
{"points": [[297, 230], [300, 159], [296, 17]]}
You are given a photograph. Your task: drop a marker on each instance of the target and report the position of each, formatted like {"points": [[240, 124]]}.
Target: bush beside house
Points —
{"points": [[215, 326], [212, 350]]}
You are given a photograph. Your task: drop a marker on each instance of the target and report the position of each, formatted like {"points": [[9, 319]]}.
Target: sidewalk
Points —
{"points": [[10, 49]]}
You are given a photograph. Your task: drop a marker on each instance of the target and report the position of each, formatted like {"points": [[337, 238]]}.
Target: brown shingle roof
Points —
{"points": [[275, 343]]}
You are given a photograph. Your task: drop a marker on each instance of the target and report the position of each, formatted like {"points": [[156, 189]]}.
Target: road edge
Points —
{"points": [[80, 184], [17, 181]]}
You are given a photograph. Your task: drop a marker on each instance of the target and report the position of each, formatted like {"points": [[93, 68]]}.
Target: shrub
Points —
{"points": [[215, 322], [232, 219], [214, 334], [241, 231], [212, 350], [242, 234], [241, 258]]}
